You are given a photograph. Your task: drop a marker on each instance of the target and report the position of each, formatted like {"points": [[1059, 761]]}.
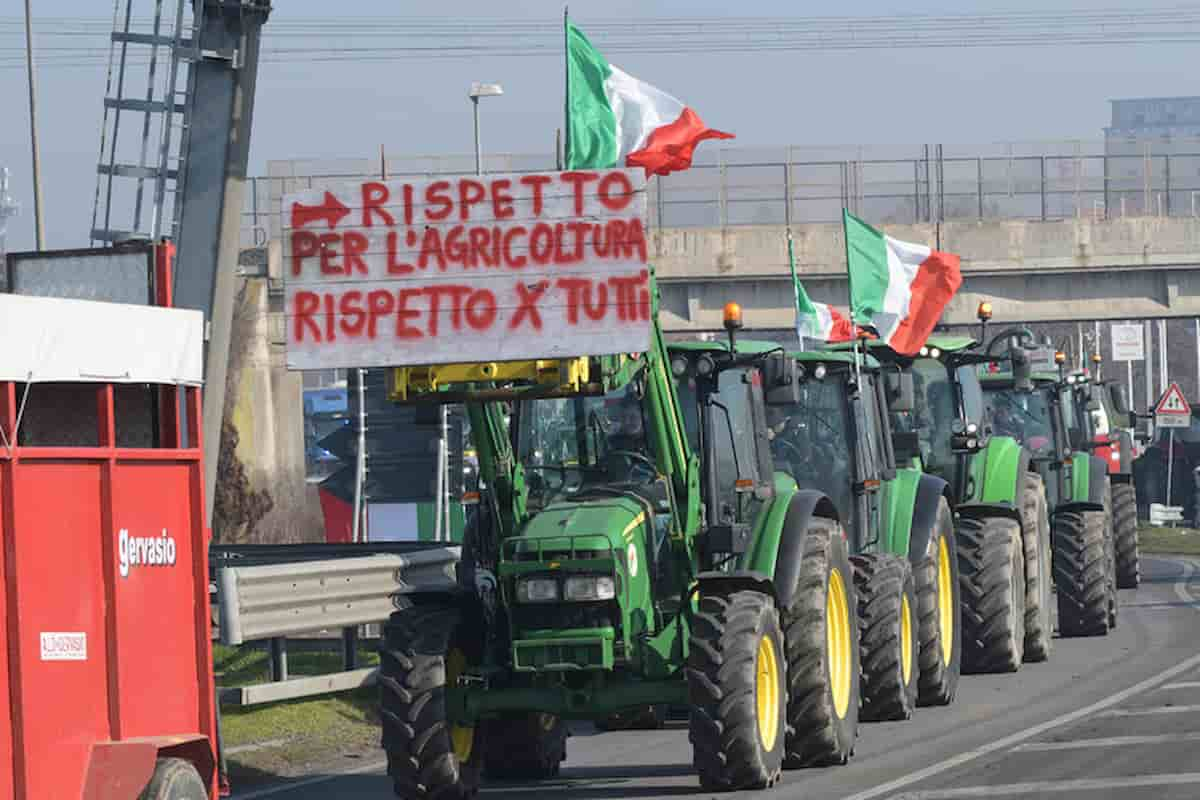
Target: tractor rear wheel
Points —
{"points": [[991, 562], [1124, 510], [174, 779], [1039, 596], [1081, 573], [821, 628], [528, 746], [425, 648], [737, 688], [887, 602], [1110, 550], [939, 614]]}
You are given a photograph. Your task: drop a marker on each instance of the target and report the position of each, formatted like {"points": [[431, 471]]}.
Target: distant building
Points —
{"points": [[1152, 149]]}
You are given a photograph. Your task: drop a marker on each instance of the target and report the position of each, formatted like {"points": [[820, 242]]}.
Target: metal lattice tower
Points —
{"points": [[140, 173]]}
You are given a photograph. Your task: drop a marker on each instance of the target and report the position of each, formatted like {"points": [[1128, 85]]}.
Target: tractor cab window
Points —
{"points": [[811, 440], [569, 445], [1025, 416], [936, 412], [971, 394]]}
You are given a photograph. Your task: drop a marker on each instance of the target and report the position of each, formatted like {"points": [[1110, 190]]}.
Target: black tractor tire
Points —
{"points": [[1110, 549], [528, 746], [1039, 582], [419, 643], [940, 653], [991, 568], [646, 718], [887, 603], [1124, 511], [174, 779], [823, 699], [731, 747], [1081, 573]]}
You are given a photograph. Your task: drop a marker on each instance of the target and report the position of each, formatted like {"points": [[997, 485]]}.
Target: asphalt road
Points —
{"points": [[1113, 717]]}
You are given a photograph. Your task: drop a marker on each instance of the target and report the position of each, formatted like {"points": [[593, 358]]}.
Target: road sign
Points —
{"points": [[467, 269], [1128, 342], [1173, 410]]}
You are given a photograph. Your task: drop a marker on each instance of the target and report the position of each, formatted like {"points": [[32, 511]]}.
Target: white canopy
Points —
{"points": [[45, 339]]}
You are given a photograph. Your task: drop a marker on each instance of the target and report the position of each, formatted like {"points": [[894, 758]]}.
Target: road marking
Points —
{"points": [[287, 787], [1146, 712], [1045, 787], [1180, 685], [889, 789], [1112, 741]]}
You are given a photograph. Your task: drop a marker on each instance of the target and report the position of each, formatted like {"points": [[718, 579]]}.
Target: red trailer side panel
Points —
{"points": [[7, 767], [62, 702]]}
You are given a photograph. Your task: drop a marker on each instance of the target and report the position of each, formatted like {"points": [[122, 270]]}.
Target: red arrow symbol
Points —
{"points": [[331, 210]]}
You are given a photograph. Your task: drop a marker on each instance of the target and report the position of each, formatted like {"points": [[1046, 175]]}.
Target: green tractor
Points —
{"points": [[1003, 528], [836, 440], [614, 566], [1038, 405]]}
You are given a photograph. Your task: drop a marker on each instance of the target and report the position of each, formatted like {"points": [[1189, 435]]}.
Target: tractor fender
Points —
{"points": [[804, 505], [1122, 471], [925, 512], [982, 510], [1005, 461], [710, 583], [1089, 478]]}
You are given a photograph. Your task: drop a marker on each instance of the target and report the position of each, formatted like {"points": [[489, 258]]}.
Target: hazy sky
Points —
{"points": [[953, 96]]}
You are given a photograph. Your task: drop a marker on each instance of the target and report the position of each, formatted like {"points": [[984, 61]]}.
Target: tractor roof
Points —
{"points": [[754, 346]]}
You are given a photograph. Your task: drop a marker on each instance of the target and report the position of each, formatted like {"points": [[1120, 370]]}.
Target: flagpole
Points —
{"points": [[795, 286], [566, 91], [850, 298]]}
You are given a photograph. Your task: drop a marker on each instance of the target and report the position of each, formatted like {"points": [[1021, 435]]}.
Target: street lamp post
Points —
{"points": [[39, 230], [479, 90]]}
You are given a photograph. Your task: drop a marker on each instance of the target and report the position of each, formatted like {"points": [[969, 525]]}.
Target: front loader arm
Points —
{"points": [[498, 466]]}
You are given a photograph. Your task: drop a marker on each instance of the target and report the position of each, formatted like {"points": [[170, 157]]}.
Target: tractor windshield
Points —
{"points": [[1025, 416], [570, 444], [936, 412], [811, 440]]}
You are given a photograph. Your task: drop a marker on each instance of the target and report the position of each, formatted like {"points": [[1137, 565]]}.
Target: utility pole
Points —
{"points": [[222, 82], [39, 230]]}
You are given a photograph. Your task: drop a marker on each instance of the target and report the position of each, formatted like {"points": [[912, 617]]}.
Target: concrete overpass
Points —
{"points": [[1064, 270]]}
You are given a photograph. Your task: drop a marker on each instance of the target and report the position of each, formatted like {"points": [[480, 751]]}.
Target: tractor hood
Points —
{"points": [[599, 523]]}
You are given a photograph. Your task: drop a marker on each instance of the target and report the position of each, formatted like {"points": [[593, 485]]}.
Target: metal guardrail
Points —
{"points": [[266, 601]]}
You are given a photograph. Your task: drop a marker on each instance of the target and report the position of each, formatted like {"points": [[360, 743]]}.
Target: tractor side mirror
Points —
{"points": [[1116, 396], [781, 381], [1022, 368], [902, 394], [907, 446]]}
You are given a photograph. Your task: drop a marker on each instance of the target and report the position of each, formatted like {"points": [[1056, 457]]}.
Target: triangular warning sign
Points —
{"points": [[1172, 402]]}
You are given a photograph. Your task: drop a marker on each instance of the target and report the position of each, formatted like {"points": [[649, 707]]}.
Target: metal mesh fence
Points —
{"points": [[1099, 179]]}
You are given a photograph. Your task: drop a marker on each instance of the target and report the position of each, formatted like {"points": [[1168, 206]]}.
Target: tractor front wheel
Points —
{"points": [[737, 688], [939, 614], [1039, 599], [991, 561], [1081, 573], [425, 649], [1124, 510], [824, 671], [887, 602]]}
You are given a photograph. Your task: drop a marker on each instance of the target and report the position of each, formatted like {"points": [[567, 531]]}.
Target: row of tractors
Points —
{"points": [[782, 544]]}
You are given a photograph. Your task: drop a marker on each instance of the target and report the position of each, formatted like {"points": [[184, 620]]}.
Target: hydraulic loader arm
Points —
{"points": [[498, 466]]}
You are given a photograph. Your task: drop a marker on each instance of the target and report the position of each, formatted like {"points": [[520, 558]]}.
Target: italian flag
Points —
{"points": [[614, 119], [898, 288], [817, 321]]}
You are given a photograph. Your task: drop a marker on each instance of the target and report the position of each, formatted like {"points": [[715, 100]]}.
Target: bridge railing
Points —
{"points": [[1101, 179]]}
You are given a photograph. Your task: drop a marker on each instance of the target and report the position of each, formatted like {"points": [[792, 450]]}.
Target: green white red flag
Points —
{"points": [[614, 119], [818, 322], [897, 288]]}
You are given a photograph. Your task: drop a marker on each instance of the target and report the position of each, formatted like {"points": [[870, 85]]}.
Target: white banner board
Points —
{"points": [[467, 269], [1128, 342]]}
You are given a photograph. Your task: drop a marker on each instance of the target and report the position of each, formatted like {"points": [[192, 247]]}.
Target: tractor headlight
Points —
{"points": [[589, 587], [537, 590], [679, 366]]}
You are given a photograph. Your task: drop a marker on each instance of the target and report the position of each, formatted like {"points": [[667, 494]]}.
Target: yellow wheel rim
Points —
{"points": [[838, 643], [945, 580], [767, 692], [906, 650], [462, 737]]}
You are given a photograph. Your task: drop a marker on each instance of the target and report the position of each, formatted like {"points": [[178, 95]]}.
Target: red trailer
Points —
{"points": [[104, 559]]}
